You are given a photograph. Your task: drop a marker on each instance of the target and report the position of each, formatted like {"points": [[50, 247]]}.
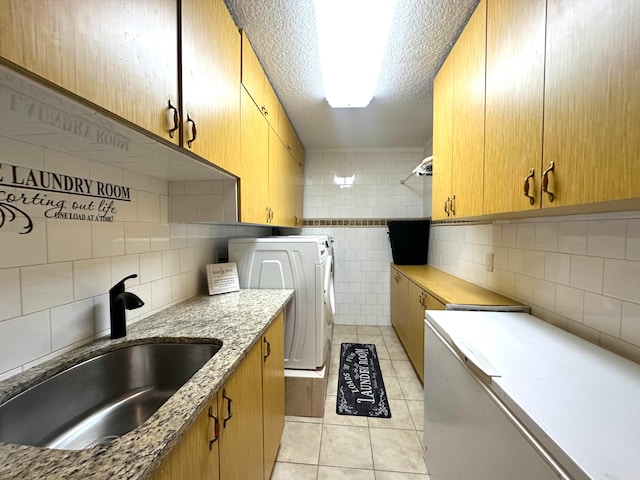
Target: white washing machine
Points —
{"points": [[305, 264]]}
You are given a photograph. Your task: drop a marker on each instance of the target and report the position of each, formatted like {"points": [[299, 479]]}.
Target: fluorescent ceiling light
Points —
{"points": [[352, 37]]}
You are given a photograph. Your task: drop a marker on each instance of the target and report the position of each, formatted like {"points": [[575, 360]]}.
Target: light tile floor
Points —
{"points": [[359, 448]]}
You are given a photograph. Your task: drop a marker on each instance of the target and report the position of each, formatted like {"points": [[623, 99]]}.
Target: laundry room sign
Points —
{"points": [[26, 193]]}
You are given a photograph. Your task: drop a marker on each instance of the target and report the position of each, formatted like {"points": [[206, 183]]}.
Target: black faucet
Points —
{"points": [[119, 300]]}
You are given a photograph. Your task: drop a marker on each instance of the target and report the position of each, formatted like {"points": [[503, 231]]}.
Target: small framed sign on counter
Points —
{"points": [[222, 278]]}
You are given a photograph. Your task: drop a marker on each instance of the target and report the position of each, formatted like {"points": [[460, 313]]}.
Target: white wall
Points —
{"points": [[54, 280], [581, 273], [362, 252]]}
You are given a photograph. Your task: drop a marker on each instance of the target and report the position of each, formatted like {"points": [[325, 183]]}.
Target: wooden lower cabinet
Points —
{"points": [[399, 302], [240, 410], [407, 314], [415, 329], [272, 392], [249, 412], [194, 457]]}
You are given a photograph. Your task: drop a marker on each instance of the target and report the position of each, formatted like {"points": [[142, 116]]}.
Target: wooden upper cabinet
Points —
{"points": [[254, 163], [122, 58], [283, 175], [290, 138], [252, 73], [514, 104], [442, 139], [468, 116], [592, 101], [257, 84], [211, 82], [271, 108]]}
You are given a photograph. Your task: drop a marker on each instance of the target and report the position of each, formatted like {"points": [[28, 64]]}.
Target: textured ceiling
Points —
{"points": [[282, 32]]}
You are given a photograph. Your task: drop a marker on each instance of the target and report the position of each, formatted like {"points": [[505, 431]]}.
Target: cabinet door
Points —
{"points": [[271, 110], [252, 72], [195, 456], [211, 82], [514, 104], [442, 139], [290, 138], [592, 101], [272, 391], [254, 161], [468, 116], [122, 58], [432, 303], [415, 329], [240, 411], [283, 176], [399, 300]]}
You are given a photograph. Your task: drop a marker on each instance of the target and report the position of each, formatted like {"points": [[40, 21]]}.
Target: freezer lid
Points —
{"points": [[579, 399]]}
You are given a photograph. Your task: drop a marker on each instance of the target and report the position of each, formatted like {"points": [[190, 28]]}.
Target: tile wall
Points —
{"points": [[355, 185], [581, 273], [54, 280]]}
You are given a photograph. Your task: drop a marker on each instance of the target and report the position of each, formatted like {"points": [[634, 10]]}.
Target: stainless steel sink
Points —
{"points": [[101, 398]]}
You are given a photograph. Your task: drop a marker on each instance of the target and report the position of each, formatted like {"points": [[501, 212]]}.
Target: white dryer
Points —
{"points": [[305, 264]]}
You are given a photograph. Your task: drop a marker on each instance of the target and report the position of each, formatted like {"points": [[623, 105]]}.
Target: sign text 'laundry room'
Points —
{"points": [[23, 190]]}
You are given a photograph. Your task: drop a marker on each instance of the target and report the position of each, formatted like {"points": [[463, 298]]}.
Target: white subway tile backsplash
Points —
{"points": [[509, 236], [631, 323], [547, 236], [210, 208], [9, 293], [123, 266], [137, 237], [68, 240], [107, 239], [198, 187], [606, 238], [589, 281], [544, 294], [20, 249], [587, 273], [633, 240], [570, 303], [160, 293], [101, 314], [127, 211], [91, 278], [72, 323], [603, 313], [24, 339], [572, 237], [178, 235], [534, 263], [170, 262], [46, 286], [622, 279], [150, 267], [54, 280], [186, 259], [526, 236], [557, 267], [179, 287], [148, 207]]}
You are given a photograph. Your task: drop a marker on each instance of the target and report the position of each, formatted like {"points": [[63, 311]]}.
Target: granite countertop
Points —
{"points": [[237, 319]]}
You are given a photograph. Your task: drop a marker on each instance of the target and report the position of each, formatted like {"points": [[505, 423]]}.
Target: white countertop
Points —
{"points": [[582, 402]]}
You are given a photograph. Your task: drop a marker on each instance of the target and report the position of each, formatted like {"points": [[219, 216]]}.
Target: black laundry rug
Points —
{"points": [[360, 386]]}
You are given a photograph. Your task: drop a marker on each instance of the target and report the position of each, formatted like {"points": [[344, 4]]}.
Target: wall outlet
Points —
{"points": [[488, 262]]}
